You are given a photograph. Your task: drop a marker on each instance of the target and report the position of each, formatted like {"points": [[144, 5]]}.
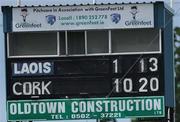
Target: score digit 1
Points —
{"points": [[116, 66], [115, 63]]}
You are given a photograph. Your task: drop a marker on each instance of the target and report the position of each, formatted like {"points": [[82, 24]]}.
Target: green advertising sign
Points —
{"points": [[86, 108]]}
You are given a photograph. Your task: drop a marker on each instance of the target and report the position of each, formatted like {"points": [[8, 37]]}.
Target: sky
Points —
{"points": [[176, 7]]}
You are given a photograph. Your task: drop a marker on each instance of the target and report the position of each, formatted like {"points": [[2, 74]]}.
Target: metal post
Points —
{"points": [[18, 2], [168, 115], [94, 1], [97, 120], [171, 3]]}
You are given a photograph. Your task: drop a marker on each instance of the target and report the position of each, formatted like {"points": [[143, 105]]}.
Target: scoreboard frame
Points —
{"points": [[126, 75]]}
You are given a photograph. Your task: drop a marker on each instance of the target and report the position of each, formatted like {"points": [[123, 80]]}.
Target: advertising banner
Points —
{"points": [[86, 108], [83, 17]]}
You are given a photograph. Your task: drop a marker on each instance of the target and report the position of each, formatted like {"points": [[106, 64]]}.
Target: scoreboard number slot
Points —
{"points": [[153, 64], [144, 85], [142, 67]]}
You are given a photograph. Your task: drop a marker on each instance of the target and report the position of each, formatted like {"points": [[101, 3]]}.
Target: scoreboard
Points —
{"points": [[99, 76], [88, 61]]}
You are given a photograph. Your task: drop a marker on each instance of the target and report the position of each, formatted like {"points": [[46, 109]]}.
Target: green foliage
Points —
{"points": [[177, 69], [177, 31]]}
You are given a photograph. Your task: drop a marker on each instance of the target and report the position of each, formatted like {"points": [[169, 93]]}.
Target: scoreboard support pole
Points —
{"points": [[170, 114], [106, 120], [19, 121]]}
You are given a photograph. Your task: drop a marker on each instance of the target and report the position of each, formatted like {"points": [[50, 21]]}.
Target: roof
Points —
{"points": [[86, 4]]}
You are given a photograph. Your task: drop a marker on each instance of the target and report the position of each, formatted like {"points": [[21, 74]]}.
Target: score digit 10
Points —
{"points": [[143, 80]]}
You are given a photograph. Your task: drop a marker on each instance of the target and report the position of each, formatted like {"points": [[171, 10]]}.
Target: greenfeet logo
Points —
{"points": [[25, 23]]}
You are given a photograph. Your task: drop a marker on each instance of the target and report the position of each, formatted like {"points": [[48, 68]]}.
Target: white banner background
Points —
{"points": [[83, 17]]}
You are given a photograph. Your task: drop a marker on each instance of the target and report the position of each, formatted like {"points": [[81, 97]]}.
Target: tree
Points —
{"points": [[177, 70]]}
